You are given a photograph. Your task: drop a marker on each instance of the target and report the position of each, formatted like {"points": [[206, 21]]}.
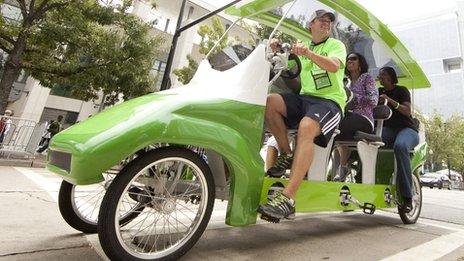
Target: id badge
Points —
{"points": [[321, 79]]}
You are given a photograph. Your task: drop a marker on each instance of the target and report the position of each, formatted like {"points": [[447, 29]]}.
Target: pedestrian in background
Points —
{"points": [[5, 125], [52, 130]]}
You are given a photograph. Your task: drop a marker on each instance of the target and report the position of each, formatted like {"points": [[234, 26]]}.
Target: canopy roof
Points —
{"points": [[412, 75]]}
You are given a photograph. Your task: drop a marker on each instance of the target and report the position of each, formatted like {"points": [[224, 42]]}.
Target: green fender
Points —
{"points": [[231, 129]]}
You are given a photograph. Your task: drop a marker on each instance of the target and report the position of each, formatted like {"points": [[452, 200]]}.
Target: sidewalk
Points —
{"points": [[23, 204]]}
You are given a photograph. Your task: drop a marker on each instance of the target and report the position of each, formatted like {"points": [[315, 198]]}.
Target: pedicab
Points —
{"points": [[158, 202]]}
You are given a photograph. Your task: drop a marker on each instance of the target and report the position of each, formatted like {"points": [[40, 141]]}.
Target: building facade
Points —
{"points": [[437, 43]]}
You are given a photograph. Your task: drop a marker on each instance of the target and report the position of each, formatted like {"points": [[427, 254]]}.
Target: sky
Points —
{"points": [[391, 11]]}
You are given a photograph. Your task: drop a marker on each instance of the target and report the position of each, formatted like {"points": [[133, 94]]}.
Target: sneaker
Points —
{"points": [[342, 174], [283, 163], [279, 207]]}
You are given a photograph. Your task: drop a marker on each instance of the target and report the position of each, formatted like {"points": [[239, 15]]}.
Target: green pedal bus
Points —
{"points": [[177, 151]]}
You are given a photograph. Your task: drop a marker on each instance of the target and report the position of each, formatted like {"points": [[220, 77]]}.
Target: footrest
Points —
{"points": [[368, 208]]}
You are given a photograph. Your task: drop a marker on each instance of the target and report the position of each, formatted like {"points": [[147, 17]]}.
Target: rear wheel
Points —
{"points": [[413, 215], [79, 205], [176, 187]]}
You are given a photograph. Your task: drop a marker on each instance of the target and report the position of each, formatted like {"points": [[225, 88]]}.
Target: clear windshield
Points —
{"points": [[355, 40], [298, 15]]}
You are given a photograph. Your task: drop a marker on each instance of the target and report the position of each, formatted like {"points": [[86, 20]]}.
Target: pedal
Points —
{"points": [[388, 197], [269, 218], [368, 208]]}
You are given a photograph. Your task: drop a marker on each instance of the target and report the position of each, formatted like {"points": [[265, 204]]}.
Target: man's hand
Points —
{"points": [[300, 49], [275, 45]]}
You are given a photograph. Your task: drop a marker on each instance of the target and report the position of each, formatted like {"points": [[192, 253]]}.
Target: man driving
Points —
{"points": [[316, 111]]}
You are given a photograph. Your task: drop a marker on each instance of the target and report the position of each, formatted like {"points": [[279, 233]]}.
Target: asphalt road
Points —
{"points": [[443, 205], [31, 228]]}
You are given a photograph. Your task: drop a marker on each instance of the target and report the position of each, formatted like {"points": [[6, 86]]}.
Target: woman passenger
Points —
{"points": [[400, 131], [358, 114]]}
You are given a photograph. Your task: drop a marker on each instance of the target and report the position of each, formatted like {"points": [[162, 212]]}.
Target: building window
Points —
{"points": [[69, 117], [452, 65], [63, 90], [158, 71]]}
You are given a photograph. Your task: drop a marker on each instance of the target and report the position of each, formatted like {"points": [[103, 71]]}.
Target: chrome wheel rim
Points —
{"points": [[416, 200], [174, 194]]}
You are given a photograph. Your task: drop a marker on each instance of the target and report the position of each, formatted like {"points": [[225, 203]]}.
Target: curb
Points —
{"points": [[23, 163]]}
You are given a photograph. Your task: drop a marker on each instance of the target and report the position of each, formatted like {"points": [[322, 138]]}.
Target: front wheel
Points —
{"points": [[413, 215], [176, 187]]}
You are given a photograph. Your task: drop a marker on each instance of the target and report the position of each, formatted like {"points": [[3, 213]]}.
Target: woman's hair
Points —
{"points": [[391, 73], [362, 63]]}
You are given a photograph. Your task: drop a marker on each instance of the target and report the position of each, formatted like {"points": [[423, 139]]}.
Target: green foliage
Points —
{"points": [[445, 138], [87, 45], [264, 31], [211, 35], [185, 74]]}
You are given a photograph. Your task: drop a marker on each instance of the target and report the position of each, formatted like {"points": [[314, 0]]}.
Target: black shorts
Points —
{"points": [[324, 111], [351, 123]]}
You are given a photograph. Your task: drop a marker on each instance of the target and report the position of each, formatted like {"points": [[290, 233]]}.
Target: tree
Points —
{"points": [[264, 31], [445, 138], [186, 73], [209, 37], [90, 46]]}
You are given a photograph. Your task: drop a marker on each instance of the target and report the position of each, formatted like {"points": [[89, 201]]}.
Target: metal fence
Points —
{"points": [[19, 137]]}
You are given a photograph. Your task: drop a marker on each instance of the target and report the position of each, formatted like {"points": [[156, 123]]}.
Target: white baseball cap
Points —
{"points": [[320, 13]]}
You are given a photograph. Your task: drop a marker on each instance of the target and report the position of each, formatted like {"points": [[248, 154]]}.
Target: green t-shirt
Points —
{"points": [[320, 83]]}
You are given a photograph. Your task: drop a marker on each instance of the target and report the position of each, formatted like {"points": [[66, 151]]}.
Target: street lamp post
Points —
{"points": [[448, 163]]}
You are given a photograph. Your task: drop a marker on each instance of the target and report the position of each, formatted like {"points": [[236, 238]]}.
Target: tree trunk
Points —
{"points": [[11, 71], [10, 74]]}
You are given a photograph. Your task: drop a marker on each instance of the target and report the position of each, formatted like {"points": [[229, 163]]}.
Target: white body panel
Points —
{"points": [[246, 82]]}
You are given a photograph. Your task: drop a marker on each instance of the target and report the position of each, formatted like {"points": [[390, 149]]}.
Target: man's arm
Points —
{"points": [[326, 63]]}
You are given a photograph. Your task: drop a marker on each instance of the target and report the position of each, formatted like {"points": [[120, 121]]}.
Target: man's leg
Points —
{"points": [[271, 157], [44, 146], [405, 141], [320, 120], [343, 170], [283, 204], [275, 113], [308, 130]]}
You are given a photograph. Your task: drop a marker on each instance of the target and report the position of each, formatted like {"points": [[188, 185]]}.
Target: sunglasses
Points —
{"points": [[352, 58]]}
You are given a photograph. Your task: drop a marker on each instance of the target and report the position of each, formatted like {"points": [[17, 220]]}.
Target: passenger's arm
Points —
{"points": [[405, 108], [404, 103]]}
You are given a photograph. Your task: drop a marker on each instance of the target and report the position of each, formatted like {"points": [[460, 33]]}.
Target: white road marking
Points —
{"points": [[431, 250], [50, 187]]}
